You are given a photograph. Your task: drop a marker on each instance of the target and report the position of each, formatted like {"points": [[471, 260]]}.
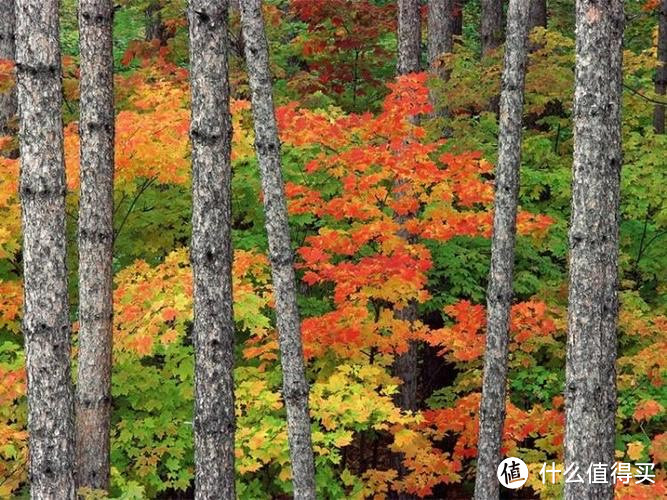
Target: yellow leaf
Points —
{"points": [[635, 450], [256, 442], [343, 440], [285, 474]]}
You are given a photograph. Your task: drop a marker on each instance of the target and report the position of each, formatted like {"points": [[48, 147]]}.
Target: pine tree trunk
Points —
{"points": [[538, 14], [96, 131], [590, 387], [492, 25], [267, 147], [46, 325], [440, 26], [409, 37], [661, 72], [499, 293], [7, 48], [211, 251]]}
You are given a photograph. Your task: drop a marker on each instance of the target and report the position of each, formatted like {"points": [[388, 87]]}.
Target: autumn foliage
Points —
{"points": [[389, 205]]}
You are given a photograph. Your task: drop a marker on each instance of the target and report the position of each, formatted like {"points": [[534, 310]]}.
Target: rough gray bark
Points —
{"points": [[409, 37], [211, 250], [661, 72], [590, 385], [46, 326], [267, 147], [7, 99], [96, 131], [440, 30], [491, 25], [499, 294], [538, 14]]}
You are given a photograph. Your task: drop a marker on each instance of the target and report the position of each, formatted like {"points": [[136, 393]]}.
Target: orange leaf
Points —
{"points": [[169, 314], [646, 410]]}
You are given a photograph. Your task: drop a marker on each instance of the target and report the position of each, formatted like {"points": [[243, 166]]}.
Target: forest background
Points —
{"points": [[338, 106]]}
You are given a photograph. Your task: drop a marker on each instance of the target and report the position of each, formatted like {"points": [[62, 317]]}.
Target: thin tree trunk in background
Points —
{"points": [[154, 29], [267, 147], [499, 294], [440, 41], [405, 365], [590, 385], [491, 25], [406, 368], [536, 19], [211, 251], [409, 37], [440, 26], [7, 49], [96, 130], [538, 14], [46, 325], [457, 24], [661, 72]]}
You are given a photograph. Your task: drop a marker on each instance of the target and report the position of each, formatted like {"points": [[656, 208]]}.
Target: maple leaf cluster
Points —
{"points": [[371, 195]]}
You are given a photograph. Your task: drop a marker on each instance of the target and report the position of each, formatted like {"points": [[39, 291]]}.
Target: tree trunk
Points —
{"points": [[211, 250], [154, 29], [409, 37], [406, 368], [409, 43], [538, 14], [267, 147], [440, 26], [7, 48], [661, 72], [537, 18], [457, 23], [499, 293], [46, 325], [590, 386], [492, 25], [96, 131], [405, 365]]}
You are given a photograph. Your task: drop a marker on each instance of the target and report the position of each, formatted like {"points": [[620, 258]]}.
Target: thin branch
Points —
{"points": [[67, 104], [655, 237], [120, 203], [641, 241], [143, 188], [649, 99]]}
